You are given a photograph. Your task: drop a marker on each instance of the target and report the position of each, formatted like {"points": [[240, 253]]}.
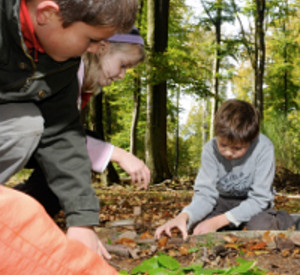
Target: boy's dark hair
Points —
{"points": [[237, 121], [112, 13]]}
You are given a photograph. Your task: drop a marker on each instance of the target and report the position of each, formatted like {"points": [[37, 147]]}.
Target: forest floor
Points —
{"points": [[129, 218]]}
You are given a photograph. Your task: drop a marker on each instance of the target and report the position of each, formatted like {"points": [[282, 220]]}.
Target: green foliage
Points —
{"points": [[284, 133], [120, 96], [164, 264], [187, 67]]}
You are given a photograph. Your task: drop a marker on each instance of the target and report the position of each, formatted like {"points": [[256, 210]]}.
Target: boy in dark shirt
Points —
{"points": [[41, 43]]}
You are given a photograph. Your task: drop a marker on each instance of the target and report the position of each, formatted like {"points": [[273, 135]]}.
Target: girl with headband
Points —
{"points": [[116, 54]]}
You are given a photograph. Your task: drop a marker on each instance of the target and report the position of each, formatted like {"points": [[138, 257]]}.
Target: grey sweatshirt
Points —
{"points": [[249, 177]]}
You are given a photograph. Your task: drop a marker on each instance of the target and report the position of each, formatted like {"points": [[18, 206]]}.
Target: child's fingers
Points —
{"points": [[168, 231], [159, 232], [184, 233], [102, 251], [141, 178]]}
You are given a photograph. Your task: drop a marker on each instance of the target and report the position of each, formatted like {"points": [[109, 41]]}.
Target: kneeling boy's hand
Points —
{"points": [[211, 225], [178, 222], [88, 237]]}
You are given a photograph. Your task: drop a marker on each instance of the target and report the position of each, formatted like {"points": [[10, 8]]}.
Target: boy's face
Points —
{"points": [[231, 150], [62, 44]]}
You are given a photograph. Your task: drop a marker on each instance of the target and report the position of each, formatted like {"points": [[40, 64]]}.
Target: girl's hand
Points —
{"points": [[133, 166]]}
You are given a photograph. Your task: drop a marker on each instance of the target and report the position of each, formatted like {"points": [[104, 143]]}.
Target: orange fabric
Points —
{"points": [[31, 243]]}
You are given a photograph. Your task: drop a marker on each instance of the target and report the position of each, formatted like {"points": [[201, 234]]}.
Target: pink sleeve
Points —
{"points": [[100, 153], [80, 76]]}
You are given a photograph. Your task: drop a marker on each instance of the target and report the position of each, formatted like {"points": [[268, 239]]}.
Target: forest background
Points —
{"points": [[224, 49]]}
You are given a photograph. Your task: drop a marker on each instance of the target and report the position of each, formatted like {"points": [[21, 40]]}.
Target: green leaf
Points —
{"points": [[168, 262], [146, 266], [242, 268], [123, 272], [193, 249], [109, 241], [209, 272], [159, 271], [192, 268]]}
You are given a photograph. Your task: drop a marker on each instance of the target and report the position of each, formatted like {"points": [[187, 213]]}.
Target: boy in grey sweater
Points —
{"points": [[233, 188]]}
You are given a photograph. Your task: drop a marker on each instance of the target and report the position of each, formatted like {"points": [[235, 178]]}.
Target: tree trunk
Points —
{"points": [[205, 108], [112, 175], [156, 131], [217, 22], [216, 70], [135, 115], [285, 77], [260, 53], [176, 164], [256, 55]]}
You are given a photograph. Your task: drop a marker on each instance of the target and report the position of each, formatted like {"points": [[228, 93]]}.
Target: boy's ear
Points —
{"points": [[45, 10], [103, 46]]}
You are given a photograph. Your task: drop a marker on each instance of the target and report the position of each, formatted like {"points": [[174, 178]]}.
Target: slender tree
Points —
{"points": [[135, 115], [257, 52], [217, 23], [260, 55], [156, 138]]}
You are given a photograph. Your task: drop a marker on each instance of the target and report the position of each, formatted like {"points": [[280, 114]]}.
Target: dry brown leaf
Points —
{"points": [[146, 235], [183, 251], [248, 253], [128, 242], [231, 245], [259, 246], [260, 252], [282, 235], [162, 242], [268, 237], [230, 238], [172, 253], [285, 253]]}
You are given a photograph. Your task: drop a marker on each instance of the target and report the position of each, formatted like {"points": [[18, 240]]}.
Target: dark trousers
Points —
{"points": [[269, 219]]}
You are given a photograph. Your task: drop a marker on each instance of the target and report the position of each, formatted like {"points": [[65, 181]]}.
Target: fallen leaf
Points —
{"points": [[259, 246], [172, 253], [162, 242], [128, 242], [230, 238], [146, 235], [231, 245], [183, 251], [285, 253], [268, 237]]}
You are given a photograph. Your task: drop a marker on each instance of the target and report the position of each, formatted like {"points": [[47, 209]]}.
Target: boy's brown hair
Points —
{"points": [[237, 121], [112, 13]]}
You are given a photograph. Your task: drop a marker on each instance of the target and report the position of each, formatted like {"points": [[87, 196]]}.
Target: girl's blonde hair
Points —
{"points": [[92, 62]]}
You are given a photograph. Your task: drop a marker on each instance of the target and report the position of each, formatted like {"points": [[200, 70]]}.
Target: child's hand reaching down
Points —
{"points": [[178, 222], [133, 166], [88, 237]]}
